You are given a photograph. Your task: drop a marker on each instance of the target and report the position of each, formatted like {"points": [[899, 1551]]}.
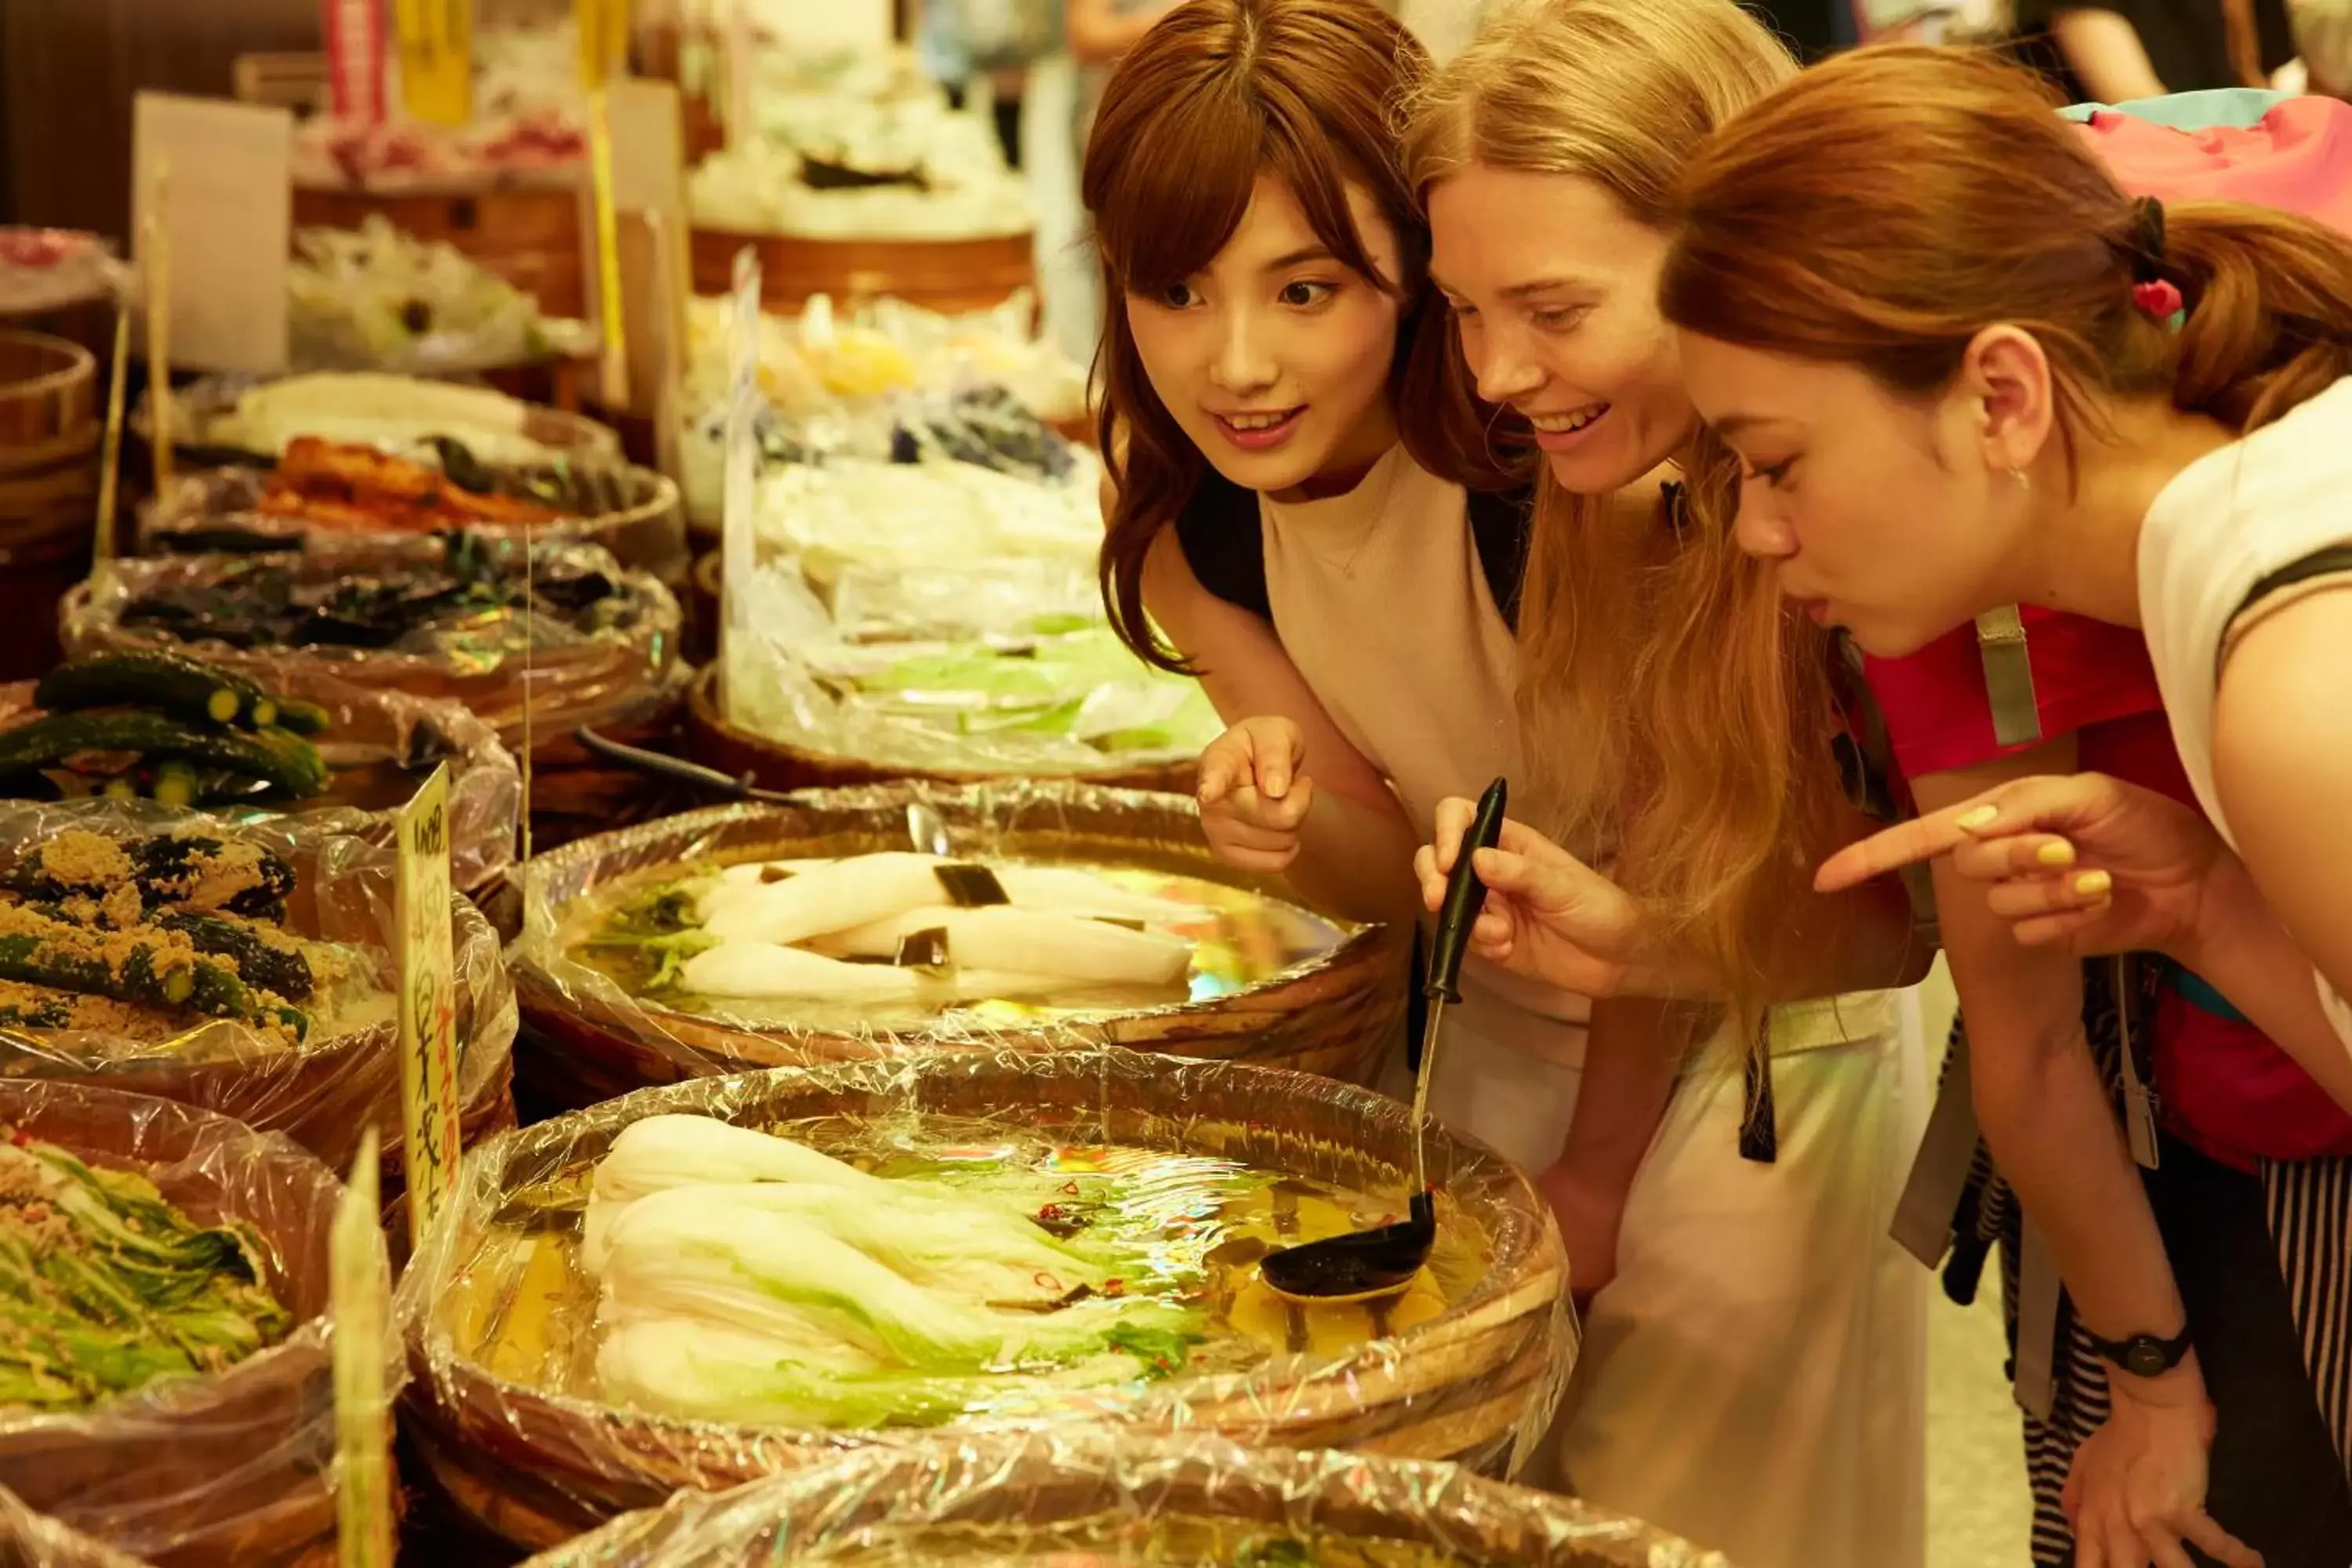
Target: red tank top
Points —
{"points": [[2225, 1088]]}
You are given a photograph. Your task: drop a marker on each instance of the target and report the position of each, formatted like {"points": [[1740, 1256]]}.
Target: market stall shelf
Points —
{"points": [[230, 1465], [952, 276], [1185, 1501], [510, 1400], [49, 430], [1269, 982]]}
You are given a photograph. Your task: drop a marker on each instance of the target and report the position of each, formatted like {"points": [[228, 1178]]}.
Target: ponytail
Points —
{"points": [[2269, 322]]}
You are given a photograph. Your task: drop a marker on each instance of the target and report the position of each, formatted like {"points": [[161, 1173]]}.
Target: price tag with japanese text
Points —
{"points": [[359, 1287], [428, 1011]]}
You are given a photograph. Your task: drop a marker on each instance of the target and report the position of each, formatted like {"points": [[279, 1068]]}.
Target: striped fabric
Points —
{"points": [[2309, 1208]]}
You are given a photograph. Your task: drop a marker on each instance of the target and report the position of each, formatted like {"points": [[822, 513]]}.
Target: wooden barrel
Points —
{"points": [[529, 235], [48, 490], [1475, 1385], [714, 743], [955, 277]]}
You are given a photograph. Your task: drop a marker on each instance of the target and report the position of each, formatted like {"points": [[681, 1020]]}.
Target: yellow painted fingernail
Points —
{"points": [[2092, 884], [1981, 817], [2059, 853]]}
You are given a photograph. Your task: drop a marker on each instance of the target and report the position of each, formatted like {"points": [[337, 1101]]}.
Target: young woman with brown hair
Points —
{"points": [[1320, 522], [1902, 277]]}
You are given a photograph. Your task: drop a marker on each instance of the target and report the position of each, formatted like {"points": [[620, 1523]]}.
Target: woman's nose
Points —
{"points": [[1503, 373], [1244, 364], [1762, 532]]}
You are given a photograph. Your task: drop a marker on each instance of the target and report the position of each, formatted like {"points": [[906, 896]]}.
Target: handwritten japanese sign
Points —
{"points": [[360, 1285], [428, 1044]]}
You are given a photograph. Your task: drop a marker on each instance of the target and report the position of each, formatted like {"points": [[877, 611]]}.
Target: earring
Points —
{"points": [[2024, 483]]}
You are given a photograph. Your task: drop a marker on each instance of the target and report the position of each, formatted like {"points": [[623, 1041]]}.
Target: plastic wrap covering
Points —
{"points": [[379, 299], [229, 1467], [847, 168], [250, 419], [1269, 982], [633, 512], [324, 1091], [29, 1539], [602, 637], [1114, 1501], [499, 1310], [1056, 697], [48, 268], [379, 747]]}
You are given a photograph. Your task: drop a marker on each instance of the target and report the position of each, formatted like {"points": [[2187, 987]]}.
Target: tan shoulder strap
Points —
{"points": [[2009, 677]]}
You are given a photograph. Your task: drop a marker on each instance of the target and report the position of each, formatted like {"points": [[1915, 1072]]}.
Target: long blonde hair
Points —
{"points": [[1670, 706]]}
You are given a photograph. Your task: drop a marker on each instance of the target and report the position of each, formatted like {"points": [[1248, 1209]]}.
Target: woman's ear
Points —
{"points": [[2005, 373]]}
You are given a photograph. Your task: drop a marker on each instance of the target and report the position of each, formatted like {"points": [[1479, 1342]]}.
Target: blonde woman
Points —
{"points": [[1292, 511], [1753, 1370]]}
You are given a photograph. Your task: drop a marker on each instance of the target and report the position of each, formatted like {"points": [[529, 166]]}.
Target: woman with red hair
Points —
{"points": [[1964, 370]]}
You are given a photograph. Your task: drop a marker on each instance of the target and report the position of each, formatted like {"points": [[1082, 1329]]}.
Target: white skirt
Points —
{"points": [[1754, 1377]]}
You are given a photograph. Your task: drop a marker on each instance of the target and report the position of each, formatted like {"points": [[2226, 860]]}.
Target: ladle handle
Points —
{"points": [[1465, 895], [676, 769]]}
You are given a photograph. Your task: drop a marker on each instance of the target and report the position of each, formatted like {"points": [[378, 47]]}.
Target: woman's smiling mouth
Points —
{"points": [[1259, 432]]}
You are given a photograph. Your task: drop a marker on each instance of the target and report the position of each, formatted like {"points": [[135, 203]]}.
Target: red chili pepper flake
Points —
{"points": [[1070, 1189], [1044, 1281], [1050, 1213], [1114, 1286]]}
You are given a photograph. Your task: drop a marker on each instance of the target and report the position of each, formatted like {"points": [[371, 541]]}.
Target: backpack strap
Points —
{"points": [[2009, 677]]}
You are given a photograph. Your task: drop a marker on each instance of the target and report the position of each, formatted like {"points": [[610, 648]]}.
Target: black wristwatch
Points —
{"points": [[2143, 1355]]}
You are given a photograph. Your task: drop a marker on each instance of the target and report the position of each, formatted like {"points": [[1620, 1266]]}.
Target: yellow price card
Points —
{"points": [[436, 43], [360, 1306], [428, 1011]]}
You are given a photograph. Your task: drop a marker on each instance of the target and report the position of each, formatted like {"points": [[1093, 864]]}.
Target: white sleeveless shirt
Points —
{"points": [[2225, 522]]}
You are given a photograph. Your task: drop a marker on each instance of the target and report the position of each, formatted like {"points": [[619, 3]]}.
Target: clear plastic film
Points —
{"points": [[379, 747], [377, 298], [501, 1313], [1269, 982], [1049, 694], [1114, 1500], [29, 1539], [228, 1467], [46, 270], [444, 622], [324, 1090], [633, 512]]}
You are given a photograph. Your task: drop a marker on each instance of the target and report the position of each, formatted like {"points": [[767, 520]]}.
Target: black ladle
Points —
{"points": [[710, 781], [1366, 1264]]}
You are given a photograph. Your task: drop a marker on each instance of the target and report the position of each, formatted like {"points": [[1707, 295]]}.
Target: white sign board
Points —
{"points": [[226, 209]]}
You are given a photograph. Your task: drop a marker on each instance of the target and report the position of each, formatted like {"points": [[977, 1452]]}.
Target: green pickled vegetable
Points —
{"points": [[105, 1288], [284, 760], [169, 683]]}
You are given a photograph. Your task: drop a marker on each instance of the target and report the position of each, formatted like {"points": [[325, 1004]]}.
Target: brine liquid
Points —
{"points": [[525, 1309]]}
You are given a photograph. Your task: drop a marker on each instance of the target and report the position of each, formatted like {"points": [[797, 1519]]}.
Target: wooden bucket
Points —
{"points": [[48, 490], [714, 743], [1335, 1012], [1086, 1492], [232, 1468], [1477, 1385], [955, 277], [529, 235]]}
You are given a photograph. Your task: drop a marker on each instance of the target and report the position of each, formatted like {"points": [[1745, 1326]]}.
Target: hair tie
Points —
{"points": [[2156, 296]]}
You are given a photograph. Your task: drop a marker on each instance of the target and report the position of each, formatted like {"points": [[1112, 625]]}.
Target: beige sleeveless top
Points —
{"points": [[1380, 599], [1381, 604]]}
